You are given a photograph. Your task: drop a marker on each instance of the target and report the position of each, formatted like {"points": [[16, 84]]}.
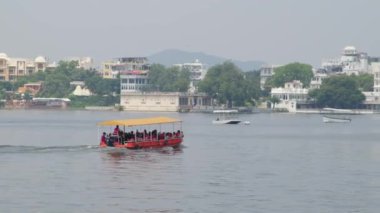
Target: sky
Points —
{"points": [[274, 31]]}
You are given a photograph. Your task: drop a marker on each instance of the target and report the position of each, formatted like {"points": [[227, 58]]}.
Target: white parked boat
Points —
{"points": [[335, 119], [226, 117], [332, 115]]}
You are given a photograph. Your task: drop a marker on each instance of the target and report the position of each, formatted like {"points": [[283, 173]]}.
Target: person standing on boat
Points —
{"points": [[116, 130]]}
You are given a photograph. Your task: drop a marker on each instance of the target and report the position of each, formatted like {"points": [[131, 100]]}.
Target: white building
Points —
{"points": [[350, 62], [317, 79], [163, 101], [12, 68], [376, 75], [133, 81], [289, 95], [266, 72], [197, 71]]}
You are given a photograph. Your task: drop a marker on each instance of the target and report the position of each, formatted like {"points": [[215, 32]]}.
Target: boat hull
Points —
{"points": [[174, 142], [329, 119], [226, 121]]}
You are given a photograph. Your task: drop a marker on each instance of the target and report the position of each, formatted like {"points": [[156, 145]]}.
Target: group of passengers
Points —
{"points": [[120, 137]]}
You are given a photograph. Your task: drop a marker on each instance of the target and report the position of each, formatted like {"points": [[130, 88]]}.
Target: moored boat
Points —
{"points": [[331, 119], [226, 117], [142, 138], [332, 115]]}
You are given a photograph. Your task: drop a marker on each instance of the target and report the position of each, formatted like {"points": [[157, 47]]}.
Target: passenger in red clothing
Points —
{"points": [[116, 130], [103, 140]]}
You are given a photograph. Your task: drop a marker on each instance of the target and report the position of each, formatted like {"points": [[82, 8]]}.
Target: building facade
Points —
{"points": [[317, 79], [133, 81], [266, 72], [350, 62], [111, 69], [289, 95], [12, 68], [163, 101], [197, 71], [376, 77]]}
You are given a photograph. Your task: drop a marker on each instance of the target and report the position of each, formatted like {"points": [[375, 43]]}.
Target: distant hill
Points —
{"points": [[173, 56]]}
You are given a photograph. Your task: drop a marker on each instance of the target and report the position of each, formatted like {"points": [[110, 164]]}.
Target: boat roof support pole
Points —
{"points": [[98, 131]]}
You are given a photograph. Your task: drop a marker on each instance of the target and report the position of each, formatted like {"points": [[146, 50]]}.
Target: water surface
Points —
{"points": [[50, 162]]}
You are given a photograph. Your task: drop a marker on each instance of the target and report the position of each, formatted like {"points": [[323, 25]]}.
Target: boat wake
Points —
{"points": [[79, 148], [44, 149]]}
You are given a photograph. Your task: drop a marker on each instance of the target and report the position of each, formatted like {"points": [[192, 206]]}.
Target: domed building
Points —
{"points": [[40, 63], [350, 62], [12, 68]]}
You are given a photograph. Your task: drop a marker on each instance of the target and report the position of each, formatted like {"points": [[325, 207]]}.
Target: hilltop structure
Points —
{"points": [[350, 62]]}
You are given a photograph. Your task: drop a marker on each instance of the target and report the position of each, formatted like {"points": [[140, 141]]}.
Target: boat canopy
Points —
{"points": [[139, 121]]}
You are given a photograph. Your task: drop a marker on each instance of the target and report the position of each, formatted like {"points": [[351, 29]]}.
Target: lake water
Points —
{"points": [[50, 162]]}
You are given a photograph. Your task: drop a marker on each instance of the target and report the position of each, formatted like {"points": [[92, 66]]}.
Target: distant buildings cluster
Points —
{"points": [[351, 61], [11, 67], [134, 71]]}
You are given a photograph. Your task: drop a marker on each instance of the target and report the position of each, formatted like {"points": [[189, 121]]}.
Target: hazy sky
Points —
{"points": [[276, 31]]}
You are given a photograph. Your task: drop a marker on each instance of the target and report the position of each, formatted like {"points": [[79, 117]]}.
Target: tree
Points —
{"points": [[338, 92], [56, 85], [228, 85], [170, 79], [364, 81], [274, 100], [253, 90], [290, 72]]}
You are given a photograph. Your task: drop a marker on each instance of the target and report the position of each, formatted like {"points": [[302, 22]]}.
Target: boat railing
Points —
{"points": [[162, 136]]}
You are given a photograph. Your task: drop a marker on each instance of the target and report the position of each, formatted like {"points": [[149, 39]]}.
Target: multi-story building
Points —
{"points": [[12, 68], [197, 73], [266, 72], [112, 68], [133, 81], [290, 94], [317, 79], [134, 78], [350, 62], [376, 75]]}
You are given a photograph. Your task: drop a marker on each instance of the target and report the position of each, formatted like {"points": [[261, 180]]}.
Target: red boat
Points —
{"points": [[120, 138]]}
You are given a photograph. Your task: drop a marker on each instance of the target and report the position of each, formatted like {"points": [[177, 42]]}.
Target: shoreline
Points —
{"points": [[256, 111]]}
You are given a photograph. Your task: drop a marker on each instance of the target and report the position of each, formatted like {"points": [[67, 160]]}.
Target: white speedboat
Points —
{"points": [[226, 117]]}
